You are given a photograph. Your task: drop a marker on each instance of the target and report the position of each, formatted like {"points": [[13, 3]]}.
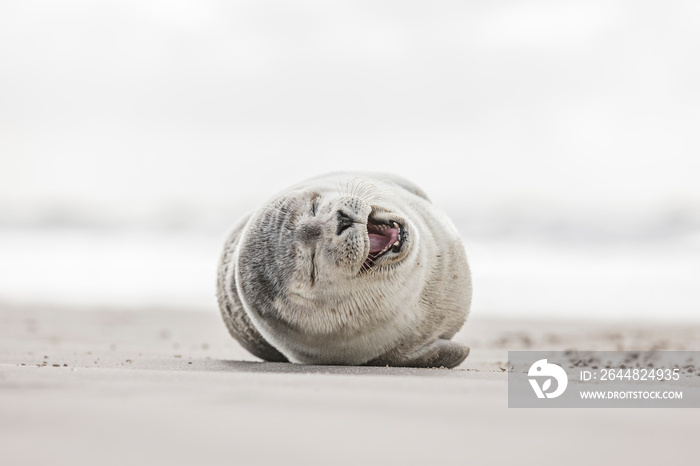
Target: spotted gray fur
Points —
{"points": [[293, 281]]}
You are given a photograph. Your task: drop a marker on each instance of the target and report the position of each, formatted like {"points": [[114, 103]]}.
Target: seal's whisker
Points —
{"points": [[354, 186], [370, 191], [357, 188], [339, 189], [362, 191], [379, 196], [368, 266], [347, 189]]}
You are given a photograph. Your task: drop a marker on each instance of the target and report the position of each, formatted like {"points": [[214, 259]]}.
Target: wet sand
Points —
{"points": [[158, 386]]}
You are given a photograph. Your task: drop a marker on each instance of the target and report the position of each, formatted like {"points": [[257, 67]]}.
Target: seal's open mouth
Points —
{"points": [[383, 237]]}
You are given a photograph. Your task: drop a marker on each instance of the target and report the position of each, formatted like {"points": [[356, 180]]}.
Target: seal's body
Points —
{"points": [[347, 269]]}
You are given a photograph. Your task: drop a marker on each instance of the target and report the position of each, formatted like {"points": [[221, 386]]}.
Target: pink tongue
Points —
{"points": [[377, 242]]}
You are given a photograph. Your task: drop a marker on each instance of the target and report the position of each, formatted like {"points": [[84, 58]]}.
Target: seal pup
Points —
{"points": [[347, 268]]}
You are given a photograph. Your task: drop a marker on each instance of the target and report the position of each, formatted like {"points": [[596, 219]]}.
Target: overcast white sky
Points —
{"points": [[133, 105], [572, 119]]}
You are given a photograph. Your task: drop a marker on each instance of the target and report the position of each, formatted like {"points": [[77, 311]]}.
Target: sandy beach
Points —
{"points": [[157, 386], [560, 139]]}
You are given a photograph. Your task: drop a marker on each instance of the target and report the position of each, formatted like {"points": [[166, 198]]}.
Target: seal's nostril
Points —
{"points": [[344, 222]]}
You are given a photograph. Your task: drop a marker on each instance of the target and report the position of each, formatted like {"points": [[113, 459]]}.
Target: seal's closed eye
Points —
{"points": [[313, 268], [314, 205]]}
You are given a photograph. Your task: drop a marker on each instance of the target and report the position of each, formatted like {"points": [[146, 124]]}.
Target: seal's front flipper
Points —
{"points": [[440, 353]]}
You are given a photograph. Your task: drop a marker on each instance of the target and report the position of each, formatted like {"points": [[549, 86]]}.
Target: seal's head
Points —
{"points": [[316, 260]]}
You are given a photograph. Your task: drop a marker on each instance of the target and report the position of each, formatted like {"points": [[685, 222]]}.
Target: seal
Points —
{"points": [[348, 269]]}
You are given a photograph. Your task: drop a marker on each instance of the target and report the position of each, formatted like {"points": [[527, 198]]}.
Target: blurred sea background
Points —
{"points": [[561, 137]]}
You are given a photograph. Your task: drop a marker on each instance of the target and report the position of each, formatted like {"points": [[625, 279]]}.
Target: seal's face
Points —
{"points": [[311, 252]]}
